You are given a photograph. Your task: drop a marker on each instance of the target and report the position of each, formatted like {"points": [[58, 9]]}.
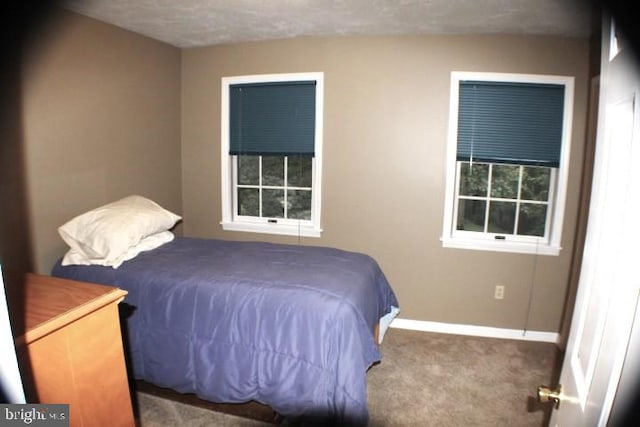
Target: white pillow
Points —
{"points": [[108, 232], [148, 243]]}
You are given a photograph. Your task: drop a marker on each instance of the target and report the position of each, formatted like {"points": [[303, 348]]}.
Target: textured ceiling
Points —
{"points": [[192, 23]]}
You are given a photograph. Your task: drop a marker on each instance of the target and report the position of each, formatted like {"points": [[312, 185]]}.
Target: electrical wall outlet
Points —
{"points": [[499, 292]]}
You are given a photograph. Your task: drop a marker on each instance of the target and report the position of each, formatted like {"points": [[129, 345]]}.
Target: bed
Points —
{"points": [[292, 327]]}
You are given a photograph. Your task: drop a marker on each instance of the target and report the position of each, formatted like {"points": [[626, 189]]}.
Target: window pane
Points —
{"points": [[248, 201], [502, 217], [299, 204], [471, 215], [273, 170], [532, 220], [248, 170], [504, 181], [273, 203], [535, 183], [473, 179], [299, 171]]}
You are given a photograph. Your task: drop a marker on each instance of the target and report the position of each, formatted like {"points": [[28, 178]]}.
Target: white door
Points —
{"points": [[10, 381], [609, 287]]}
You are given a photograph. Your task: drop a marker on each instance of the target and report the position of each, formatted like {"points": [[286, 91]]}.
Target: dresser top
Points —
{"points": [[51, 303]]}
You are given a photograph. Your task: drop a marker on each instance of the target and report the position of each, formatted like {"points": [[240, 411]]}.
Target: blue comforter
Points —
{"points": [[288, 326]]}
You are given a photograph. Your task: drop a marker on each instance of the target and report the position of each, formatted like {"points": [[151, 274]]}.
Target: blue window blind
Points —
{"points": [[275, 118], [503, 122]]}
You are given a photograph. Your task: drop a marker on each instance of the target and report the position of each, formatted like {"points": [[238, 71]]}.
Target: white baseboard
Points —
{"points": [[476, 331]]}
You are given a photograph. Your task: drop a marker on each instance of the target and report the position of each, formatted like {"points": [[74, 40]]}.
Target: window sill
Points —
{"points": [[501, 246], [282, 229]]}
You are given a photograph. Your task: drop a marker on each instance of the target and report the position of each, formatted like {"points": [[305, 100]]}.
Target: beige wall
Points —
{"points": [[385, 123], [101, 120], [108, 113]]}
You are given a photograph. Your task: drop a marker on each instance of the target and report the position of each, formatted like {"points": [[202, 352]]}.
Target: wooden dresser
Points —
{"points": [[73, 349]]}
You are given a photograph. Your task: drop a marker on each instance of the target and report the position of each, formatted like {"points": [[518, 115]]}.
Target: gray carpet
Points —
{"points": [[425, 379]]}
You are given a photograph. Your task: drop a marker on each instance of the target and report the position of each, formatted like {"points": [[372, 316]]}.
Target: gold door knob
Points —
{"points": [[545, 394]]}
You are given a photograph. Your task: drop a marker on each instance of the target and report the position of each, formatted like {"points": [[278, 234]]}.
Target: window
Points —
{"points": [[507, 162], [272, 153]]}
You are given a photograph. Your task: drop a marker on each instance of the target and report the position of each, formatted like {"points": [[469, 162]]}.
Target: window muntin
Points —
{"points": [[276, 187], [265, 189], [491, 209], [503, 199]]}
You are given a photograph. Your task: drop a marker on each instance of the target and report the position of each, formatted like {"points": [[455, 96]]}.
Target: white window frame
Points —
{"points": [[550, 244], [231, 221]]}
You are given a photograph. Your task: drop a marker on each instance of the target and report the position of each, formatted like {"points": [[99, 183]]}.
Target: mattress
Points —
{"points": [[288, 326]]}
